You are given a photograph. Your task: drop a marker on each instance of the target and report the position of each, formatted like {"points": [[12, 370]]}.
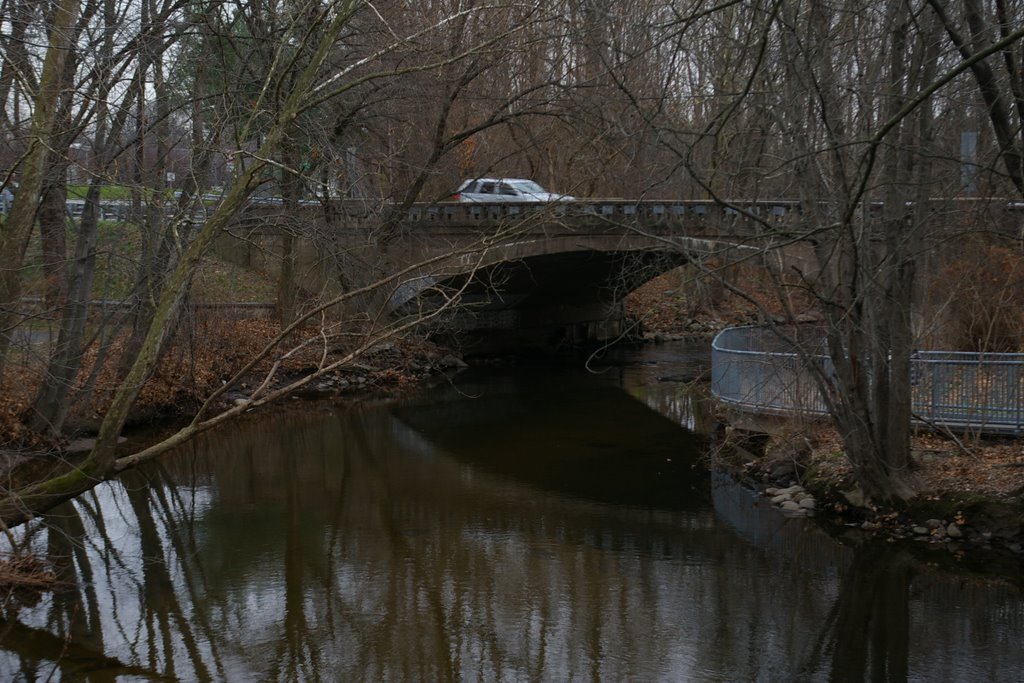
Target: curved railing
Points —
{"points": [[752, 369]]}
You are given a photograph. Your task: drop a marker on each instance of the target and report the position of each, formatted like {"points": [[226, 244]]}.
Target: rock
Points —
{"points": [[933, 523], [790, 506], [450, 362], [781, 498], [782, 470], [953, 531], [807, 503], [771, 491], [921, 530], [856, 497]]}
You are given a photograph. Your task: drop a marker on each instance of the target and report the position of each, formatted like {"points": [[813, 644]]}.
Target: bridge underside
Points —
{"points": [[543, 302]]}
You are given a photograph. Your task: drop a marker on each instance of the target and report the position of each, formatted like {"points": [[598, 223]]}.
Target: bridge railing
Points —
{"points": [[735, 217], [752, 369], [609, 209], [649, 211]]}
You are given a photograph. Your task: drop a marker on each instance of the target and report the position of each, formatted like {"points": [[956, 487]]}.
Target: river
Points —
{"points": [[537, 522]]}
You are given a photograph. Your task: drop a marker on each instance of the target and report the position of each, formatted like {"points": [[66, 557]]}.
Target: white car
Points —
{"points": [[505, 190]]}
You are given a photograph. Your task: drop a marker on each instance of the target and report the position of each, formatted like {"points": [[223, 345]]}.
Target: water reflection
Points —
{"points": [[447, 539], [596, 443]]}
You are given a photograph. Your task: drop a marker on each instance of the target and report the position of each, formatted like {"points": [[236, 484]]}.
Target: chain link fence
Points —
{"points": [[754, 369]]}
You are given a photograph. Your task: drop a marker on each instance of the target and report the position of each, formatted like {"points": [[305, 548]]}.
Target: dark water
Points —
{"points": [[525, 524]]}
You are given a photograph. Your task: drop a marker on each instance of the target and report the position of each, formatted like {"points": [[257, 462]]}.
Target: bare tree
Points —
{"points": [[309, 67], [996, 70], [112, 58], [17, 229], [834, 104]]}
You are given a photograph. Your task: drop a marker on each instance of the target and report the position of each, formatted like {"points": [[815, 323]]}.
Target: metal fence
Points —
{"points": [[35, 307], [753, 369]]}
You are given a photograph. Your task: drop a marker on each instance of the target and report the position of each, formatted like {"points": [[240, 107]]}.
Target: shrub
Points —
{"points": [[979, 301]]}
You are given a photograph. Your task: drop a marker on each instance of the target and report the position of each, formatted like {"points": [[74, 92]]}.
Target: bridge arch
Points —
{"points": [[540, 300]]}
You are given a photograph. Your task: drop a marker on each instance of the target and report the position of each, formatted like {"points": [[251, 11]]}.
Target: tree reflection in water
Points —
{"points": [[351, 546], [871, 636]]}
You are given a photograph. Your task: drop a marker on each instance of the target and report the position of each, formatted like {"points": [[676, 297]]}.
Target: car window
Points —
{"points": [[486, 188], [505, 188], [529, 187]]}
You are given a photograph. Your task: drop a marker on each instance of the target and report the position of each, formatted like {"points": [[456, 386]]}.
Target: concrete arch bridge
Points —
{"points": [[526, 275], [534, 286]]}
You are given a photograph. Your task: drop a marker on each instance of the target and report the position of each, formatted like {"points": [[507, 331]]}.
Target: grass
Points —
{"points": [[118, 250], [219, 280]]}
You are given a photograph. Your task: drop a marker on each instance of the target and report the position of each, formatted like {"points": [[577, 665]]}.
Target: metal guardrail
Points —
{"points": [[982, 392]]}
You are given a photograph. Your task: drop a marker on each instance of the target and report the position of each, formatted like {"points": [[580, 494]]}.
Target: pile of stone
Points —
{"points": [[938, 530], [793, 499]]}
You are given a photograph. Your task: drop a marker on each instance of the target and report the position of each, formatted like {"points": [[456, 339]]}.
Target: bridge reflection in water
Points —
{"points": [[447, 538]]}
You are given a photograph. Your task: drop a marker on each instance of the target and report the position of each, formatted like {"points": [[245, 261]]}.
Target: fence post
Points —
{"points": [[1017, 393]]}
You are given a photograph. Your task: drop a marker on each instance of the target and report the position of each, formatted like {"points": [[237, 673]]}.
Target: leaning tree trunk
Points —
{"points": [[20, 505], [1005, 118]]}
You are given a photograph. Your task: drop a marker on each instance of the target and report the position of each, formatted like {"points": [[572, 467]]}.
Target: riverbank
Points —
{"points": [[971, 489], [197, 364], [205, 358], [970, 493]]}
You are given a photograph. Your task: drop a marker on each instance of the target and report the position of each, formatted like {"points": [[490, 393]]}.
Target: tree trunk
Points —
{"points": [[53, 402], [17, 229], [1009, 135], [291, 184], [51, 406], [52, 231]]}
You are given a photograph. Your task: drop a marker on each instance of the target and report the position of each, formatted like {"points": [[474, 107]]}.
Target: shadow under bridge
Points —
{"points": [[509, 299]]}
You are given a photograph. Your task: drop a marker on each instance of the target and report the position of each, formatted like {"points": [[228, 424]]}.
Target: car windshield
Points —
{"points": [[527, 186]]}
